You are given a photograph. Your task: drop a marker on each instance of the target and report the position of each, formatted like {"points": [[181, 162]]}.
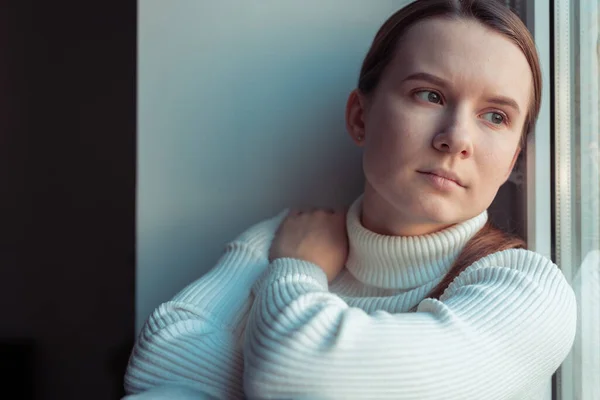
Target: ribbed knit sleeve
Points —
{"points": [[502, 327], [193, 340]]}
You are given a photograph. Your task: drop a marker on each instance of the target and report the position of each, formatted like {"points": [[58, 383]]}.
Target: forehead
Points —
{"points": [[466, 53]]}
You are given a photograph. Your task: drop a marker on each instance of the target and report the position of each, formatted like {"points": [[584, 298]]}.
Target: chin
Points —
{"points": [[436, 211], [420, 206], [437, 217]]}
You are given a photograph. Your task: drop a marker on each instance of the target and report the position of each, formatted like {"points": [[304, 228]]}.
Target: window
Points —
{"points": [[577, 185]]}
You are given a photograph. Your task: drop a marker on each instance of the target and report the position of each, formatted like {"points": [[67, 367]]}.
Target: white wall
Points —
{"points": [[240, 114]]}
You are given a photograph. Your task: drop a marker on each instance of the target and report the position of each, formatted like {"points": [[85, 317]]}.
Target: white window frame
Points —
{"points": [[539, 146]]}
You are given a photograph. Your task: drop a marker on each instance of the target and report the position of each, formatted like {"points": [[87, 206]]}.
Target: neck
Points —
{"points": [[382, 217], [404, 262]]}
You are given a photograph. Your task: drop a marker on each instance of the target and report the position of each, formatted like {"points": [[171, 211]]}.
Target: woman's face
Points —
{"points": [[443, 127]]}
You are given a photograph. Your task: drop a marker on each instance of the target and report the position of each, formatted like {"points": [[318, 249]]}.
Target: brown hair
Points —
{"points": [[496, 16], [488, 240]]}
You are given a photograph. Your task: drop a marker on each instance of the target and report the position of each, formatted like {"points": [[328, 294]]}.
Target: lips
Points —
{"points": [[449, 175]]}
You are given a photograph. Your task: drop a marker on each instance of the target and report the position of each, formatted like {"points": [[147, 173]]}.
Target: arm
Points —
{"points": [[192, 340], [505, 323], [168, 392]]}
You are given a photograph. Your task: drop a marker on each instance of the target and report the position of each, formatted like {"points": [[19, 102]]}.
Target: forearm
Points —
{"points": [[495, 334]]}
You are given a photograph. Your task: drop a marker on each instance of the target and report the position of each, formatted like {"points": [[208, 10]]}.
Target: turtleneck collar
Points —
{"points": [[404, 262]]}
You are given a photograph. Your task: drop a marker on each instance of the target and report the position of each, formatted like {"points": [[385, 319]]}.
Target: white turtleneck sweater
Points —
{"points": [[278, 331]]}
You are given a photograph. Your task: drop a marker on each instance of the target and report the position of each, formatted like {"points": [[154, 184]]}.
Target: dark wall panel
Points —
{"points": [[67, 204]]}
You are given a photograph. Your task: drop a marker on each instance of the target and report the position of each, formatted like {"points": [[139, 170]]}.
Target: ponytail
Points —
{"points": [[488, 240]]}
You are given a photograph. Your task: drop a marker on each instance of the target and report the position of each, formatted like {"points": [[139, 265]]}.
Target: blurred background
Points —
{"points": [[67, 197]]}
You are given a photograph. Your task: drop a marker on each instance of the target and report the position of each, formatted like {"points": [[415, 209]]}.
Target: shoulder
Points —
{"points": [[524, 261], [516, 267], [523, 297], [261, 233], [522, 285]]}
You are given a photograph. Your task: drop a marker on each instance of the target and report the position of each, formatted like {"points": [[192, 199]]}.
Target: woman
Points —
{"points": [[410, 294]]}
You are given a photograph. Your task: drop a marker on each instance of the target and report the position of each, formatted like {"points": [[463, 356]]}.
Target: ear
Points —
{"points": [[512, 163], [355, 117]]}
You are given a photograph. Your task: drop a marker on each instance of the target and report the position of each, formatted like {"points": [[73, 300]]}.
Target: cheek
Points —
{"points": [[379, 158], [384, 153], [395, 134], [494, 164]]}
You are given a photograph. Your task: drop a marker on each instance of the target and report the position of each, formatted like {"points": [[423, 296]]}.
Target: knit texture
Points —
{"points": [[279, 331]]}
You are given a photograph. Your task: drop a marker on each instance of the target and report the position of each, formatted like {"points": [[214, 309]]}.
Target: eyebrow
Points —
{"points": [[505, 101], [424, 76]]}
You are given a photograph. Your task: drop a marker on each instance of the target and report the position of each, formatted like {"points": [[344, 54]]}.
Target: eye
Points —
{"points": [[495, 118], [429, 96]]}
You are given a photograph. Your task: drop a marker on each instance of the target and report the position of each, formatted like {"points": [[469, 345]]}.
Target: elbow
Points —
{"points": [[134, 382], [564, 329]]}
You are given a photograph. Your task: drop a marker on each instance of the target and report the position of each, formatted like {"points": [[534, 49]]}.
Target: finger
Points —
{"points": [[324, 210], [341, 217], [279, 220], [340, 211], [306, 210], [296, 212]]}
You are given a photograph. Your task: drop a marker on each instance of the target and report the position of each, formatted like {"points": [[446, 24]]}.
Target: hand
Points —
{"points": [[317, 236], [260, 236]]}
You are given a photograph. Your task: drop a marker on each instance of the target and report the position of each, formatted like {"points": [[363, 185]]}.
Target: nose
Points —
{"points": [[454, 137]]}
